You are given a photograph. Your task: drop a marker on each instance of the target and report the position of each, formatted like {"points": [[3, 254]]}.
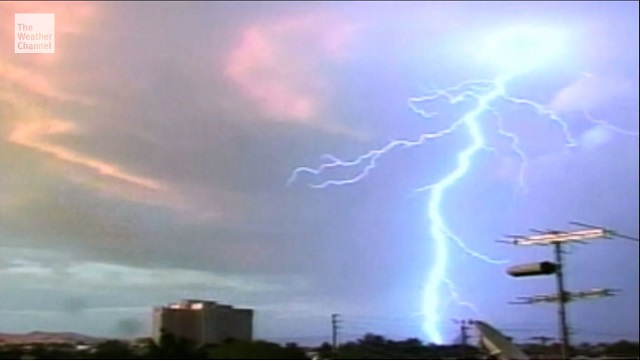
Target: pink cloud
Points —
{"points": [[60, 78], [31, 81], [108, 177], [278, 64], [31, 135]]}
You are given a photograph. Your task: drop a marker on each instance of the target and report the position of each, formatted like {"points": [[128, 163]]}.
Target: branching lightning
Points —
{"points": [[455, 296], [483, 95], [515, 147], [609, 126]]}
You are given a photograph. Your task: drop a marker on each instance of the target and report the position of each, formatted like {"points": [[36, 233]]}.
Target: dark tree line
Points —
{"points": [[369, 347], [168, 348]]}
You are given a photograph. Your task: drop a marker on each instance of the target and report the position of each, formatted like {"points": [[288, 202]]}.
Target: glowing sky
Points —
{"points": [[146, 161]]}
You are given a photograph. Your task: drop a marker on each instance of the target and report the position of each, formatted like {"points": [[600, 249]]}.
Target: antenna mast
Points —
{"points": [[562, 300], [558, 239]]}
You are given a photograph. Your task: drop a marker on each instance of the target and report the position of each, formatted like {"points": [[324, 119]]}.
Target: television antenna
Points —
{"points": [[557, 239]]}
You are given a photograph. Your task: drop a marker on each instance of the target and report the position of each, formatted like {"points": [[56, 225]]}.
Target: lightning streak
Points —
{"points": [[610, 126], [545, 111], [369, 159], [439, 231], [455, 296], [515, 147], [482, 94]]}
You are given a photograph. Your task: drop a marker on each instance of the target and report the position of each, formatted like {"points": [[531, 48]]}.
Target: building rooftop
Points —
{"points": [[195, 304]]}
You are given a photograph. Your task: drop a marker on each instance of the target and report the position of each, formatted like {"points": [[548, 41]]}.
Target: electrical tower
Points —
{"points": [[557, 239]]}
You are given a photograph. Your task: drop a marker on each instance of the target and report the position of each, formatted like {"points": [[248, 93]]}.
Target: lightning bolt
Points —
{"points": [[438, 229], [455, 296], [515, 147], [482, 93], [609, 126]]}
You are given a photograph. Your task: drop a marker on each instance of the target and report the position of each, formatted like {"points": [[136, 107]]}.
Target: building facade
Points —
{"points": [[204, 322]]}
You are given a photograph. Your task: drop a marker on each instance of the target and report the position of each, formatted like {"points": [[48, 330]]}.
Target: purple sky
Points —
{"points": [[147, 159]]}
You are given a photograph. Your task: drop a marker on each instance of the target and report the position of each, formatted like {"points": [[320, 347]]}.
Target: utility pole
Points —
{"points": [[557, 239], [334, 332]]}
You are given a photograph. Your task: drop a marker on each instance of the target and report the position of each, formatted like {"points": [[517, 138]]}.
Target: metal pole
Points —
{"points": [[562, 302], [334, 332]]}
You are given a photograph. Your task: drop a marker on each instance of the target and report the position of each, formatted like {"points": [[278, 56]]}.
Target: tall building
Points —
{"points": [[204, 322]]}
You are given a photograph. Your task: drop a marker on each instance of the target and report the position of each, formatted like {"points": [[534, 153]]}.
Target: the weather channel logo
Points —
{"points": [[35, 33]]}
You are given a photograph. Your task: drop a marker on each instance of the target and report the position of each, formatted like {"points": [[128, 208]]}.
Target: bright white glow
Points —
{"points": [[523, 49]]}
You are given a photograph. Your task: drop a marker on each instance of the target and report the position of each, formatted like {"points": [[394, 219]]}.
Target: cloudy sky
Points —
{"points": [[147, 160]]}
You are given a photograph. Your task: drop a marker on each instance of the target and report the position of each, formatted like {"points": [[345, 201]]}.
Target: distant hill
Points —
{"points": [[48, 337]]}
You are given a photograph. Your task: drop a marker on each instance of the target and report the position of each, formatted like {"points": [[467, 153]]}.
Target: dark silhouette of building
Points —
{"points": [[203, 322]]}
